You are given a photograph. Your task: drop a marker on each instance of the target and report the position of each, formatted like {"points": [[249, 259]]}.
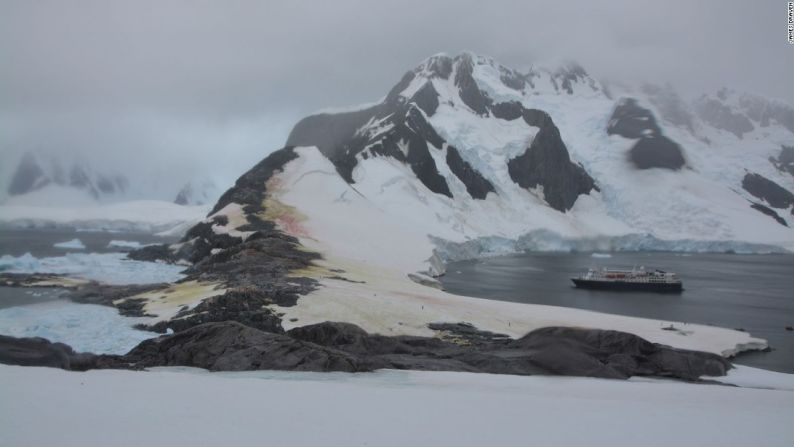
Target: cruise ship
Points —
{"points": [[634, 279]]}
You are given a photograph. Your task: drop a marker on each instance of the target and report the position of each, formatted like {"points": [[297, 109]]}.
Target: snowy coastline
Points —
{"points": [[386, 408]]}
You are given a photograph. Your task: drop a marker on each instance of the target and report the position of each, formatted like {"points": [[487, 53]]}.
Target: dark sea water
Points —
{"points": [[750, 292], [40, 243]]}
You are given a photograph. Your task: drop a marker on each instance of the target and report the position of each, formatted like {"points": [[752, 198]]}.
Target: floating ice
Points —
{"points": [[74, 244], [110, 268], [600, 255], [132, 245], [84, 327]]}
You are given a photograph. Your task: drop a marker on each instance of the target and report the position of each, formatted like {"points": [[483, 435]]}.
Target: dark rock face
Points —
{"points": [[572, 73], [769, 212], [40, 352], [231, 346], [652, 149], [546, 163], [28, 177], [330, 346], [629, 120], [470, 93], [766, 112], [245, 306], [767, 190], [402, 132], [785, 161], [719, 115], [426, 98], [249, 189], [477, 185], [657, 152], [671, 107], [553, 350]]}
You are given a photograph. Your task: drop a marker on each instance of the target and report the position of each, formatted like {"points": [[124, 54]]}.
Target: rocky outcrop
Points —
{"points": [[477, 186], [769, 212], [330, 346], [546, 163], [41, 352], [553, 350], [231, 346], [785, 160], [652, 149], [721, 116], [763, 188], [470, 93]]}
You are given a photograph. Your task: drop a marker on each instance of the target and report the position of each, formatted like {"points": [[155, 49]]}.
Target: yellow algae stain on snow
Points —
{"points": [[286, 217], [166, 303]]}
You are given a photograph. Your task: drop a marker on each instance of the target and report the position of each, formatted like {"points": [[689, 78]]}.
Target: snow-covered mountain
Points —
{"points": [[48, 179], [465, 158], [198, 193], [467, 151]]}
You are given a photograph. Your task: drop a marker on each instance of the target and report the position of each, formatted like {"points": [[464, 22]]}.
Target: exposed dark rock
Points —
{"points": [[769, 212], [765, 112], [231, 346], [332, 134], [440, 66], [652, 149], [601, 353], [426, 98], [512, 78], [28, 177], [477, 185], [570, 74], [153, 253], [330, 346], [719, 115], [657, 152], [41, 352], [244, 305], [763, 188], [249, 189], [108, 295], [467, 333], [785, 161], [469, 91], [546, 163], [629, 120], [508, 110], [671, 107]]}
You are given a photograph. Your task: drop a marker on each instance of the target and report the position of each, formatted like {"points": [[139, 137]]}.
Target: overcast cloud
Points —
{"points": [[129, 83]]}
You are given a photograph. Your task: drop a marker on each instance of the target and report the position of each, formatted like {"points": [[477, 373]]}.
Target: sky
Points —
{"points": [[191, 89]]}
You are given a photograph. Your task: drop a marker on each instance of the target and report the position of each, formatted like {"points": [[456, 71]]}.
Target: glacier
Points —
{"points": [[543, 240]]}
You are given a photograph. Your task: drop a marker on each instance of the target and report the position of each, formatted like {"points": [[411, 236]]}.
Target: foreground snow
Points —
{"points": [[109, 268], [145, 216], [41, 406]]}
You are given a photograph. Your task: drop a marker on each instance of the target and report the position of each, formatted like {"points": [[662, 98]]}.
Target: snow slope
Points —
{"points": [[41, 406]]}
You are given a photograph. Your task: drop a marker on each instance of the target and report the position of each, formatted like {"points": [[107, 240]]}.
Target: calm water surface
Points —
{"points": [[750, 292]]}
